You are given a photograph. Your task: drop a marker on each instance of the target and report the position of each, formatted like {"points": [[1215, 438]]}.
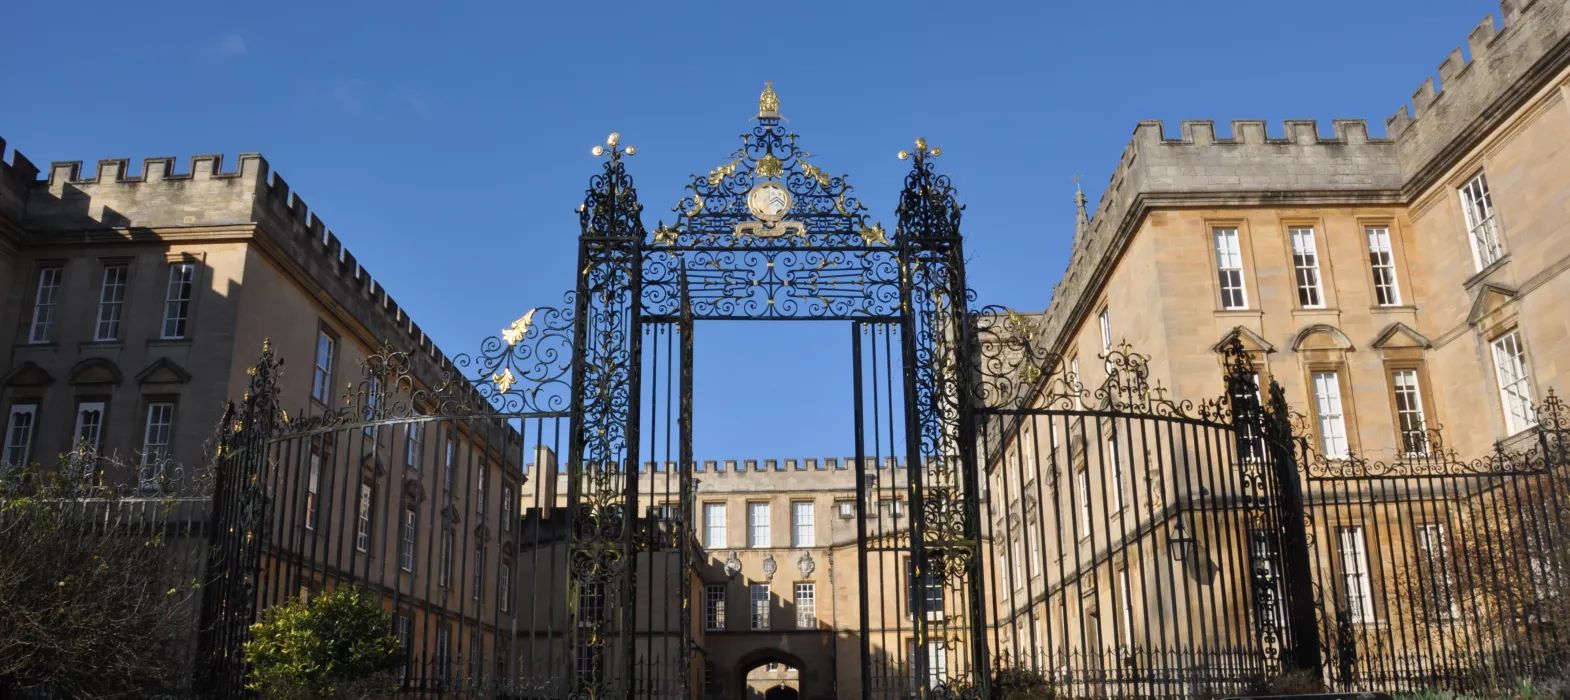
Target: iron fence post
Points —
{"points": [[1303, 649]]}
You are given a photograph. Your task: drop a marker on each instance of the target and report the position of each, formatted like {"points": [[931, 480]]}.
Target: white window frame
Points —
{"points": [[1003, 572], [847, 509], [1229, 267], [443, 647], [111, 302], [1477, 204], [1019, 564], [450, 458], [322, 378], [1126, 603], [1330, 411], [405, 632], [714, 606], [411, 519], [1382, 263], [413, 445], [759, 533], [178, 295], [1086, 514], [157, 434], [1106, 331], [1411, 423], [803, 523], [937, 663], [1117, 474], [362, 522], [1429, 538], [1305, 267], [504, 581], [46, 302], [507, 503], [714, 525], [20, 426], [479, 491], [1352, 547], [759, 599], [806, 606], [1033, 542], [313, 481], [88, 432], [1515, 382]]}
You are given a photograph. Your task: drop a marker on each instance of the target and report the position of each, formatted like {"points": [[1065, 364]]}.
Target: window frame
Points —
{"points": [[759, 535], [1423, 411], [322, 376], [364, 510], [116, 306], [1341, 415], [1104, 320], [1307, 273], [1391, 265], [803, 534], [1220, 259], [42, 328], [1363, 610], [1478, 212], [806, 616], [148, 459], [83, 405], [183, 305], [30, 409], [760, 608], [710, 527], [714, 607], [313, 479], [409, 537], [1515, 422]]}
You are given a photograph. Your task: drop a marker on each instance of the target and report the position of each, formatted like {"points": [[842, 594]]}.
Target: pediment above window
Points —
{"points": [[1252, 342], [1321, 337], [27, 375], [94, 370], [163, 371], [1399, 335], [1490, 298]]}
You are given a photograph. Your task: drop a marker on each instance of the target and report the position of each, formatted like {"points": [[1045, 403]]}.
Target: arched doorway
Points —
{"points": [[781, 692]]}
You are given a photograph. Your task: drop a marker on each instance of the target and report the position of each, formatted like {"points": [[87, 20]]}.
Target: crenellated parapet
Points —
{"points": [[250, 200], [1507, 65]]}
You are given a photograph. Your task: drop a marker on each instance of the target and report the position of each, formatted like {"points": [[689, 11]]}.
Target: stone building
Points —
{"points": [[134, 306], [1391, 285]]}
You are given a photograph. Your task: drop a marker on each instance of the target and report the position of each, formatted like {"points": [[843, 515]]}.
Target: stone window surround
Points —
{"points": [[1405, 290], [1313, 361], [1426, 394], [1328, 300], [1250, 282]]}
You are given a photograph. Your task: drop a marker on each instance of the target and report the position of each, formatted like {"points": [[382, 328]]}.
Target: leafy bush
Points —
{"points": [[1291, 682], [336, 645]]}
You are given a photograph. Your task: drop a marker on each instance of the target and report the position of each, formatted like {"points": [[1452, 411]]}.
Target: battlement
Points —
{"points": [[1449, 113], [249, 198]]}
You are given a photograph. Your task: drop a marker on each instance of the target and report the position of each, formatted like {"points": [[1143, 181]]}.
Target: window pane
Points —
{"points": [[1382, 261], [177, 299], [321, 387], [1354, 574], [1305, 264], [802, 526], [45, 305], [760, 606], [806, 606], [1409, 411], [1515, 386], [714, 606], [758, 522], [1229, 263], [111, 303], [714, 525], [1332, 422], [1478, 206], [19, 436]]}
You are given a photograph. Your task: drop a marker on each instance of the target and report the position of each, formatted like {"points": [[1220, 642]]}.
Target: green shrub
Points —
{"points": [[335, 646]]}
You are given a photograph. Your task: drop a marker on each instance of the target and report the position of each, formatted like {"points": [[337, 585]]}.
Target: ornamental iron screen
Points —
{"points": [[1009, 518]]}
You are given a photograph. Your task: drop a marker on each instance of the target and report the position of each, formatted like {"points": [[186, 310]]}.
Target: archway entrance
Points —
{"points": [[781, 692]]}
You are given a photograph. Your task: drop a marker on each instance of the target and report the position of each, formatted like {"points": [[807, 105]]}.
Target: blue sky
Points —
{"points": [[448, 146]]}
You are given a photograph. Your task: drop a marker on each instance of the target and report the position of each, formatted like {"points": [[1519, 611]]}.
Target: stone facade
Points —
{"points": [[1370, 277]]}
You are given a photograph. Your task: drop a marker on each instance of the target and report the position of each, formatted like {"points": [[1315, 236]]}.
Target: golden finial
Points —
{"points": [[921, 150], [612, 146], [768, 102]]}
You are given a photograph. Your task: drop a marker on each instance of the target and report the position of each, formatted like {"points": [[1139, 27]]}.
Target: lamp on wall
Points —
{"points": [[1180, 544]]}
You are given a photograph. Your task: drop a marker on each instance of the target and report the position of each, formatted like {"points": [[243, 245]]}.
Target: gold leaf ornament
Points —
{"points": [[504, 381], [719, 174], [514, 333], [874, 234], [770, 166]]}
